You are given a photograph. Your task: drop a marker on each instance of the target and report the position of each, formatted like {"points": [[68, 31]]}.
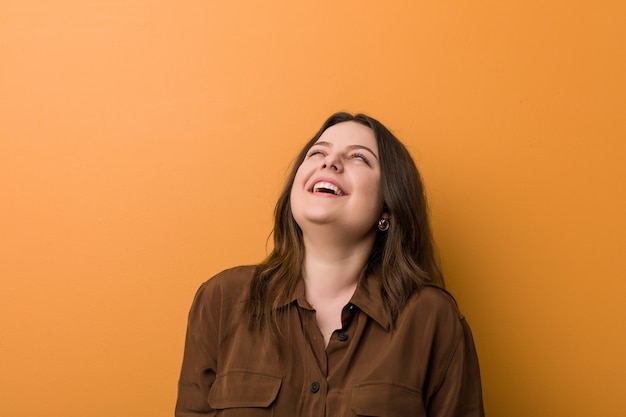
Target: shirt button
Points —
{"points": [[315, 387], [342, 336]]}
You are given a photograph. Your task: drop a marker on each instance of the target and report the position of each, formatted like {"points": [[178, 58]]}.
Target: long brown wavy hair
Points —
{"points": [[403, 256]]}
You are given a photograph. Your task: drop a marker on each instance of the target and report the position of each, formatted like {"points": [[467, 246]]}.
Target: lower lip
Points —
{"points": [[327, 195]]}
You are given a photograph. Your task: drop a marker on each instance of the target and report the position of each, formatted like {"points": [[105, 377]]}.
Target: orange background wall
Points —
{"points": [[143, 144]]}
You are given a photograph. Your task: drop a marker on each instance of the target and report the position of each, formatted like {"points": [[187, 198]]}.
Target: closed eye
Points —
{"points": [[315, 152], [359, 156]]}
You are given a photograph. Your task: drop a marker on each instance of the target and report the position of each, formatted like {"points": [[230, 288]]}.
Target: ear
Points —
{"points": [[385, 214]]}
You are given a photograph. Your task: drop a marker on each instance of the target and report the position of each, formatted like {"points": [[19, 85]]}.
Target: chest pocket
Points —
{"points": [[244, 394], [387, 400]]}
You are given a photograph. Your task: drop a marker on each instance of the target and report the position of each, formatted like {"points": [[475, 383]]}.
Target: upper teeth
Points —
{"points": [[327, 186]]}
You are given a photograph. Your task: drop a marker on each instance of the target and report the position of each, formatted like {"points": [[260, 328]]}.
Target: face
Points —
{"points": [[338, 183]]}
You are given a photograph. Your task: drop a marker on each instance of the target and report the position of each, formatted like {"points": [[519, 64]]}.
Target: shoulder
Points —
{"points": [[231, 278], [434, 309], [436, 299], [227, 287], [218, 301]]}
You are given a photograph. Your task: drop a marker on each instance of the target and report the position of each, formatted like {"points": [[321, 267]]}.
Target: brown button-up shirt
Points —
{"points": [[425, 364]]}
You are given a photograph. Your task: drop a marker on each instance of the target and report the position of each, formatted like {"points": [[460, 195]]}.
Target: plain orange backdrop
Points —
{"points": [[143, 144]]}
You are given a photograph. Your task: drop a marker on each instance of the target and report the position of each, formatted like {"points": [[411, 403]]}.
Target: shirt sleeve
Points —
{"points": [[199, 359], [459, 393]]}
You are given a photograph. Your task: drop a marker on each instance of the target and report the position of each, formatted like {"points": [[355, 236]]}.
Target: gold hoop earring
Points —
{"points": [[383, 225]]}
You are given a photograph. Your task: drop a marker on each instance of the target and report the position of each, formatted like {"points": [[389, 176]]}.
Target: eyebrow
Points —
{"points": [[329, 145]]}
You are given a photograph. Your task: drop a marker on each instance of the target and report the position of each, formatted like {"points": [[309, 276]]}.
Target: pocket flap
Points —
{"points": [[243, 389], [386, 399]]}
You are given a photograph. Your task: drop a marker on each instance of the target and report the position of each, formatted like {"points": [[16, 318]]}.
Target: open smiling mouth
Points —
{"points": [[328, 188]]}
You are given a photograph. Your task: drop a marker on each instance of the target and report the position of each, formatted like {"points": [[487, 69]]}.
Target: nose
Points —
{"points": [[332, 162]]}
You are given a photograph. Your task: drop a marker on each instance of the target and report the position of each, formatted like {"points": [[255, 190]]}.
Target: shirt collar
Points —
{"points": [[367, 297]]}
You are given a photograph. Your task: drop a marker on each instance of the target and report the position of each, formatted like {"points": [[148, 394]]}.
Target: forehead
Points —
{"points": [[349, 134]]}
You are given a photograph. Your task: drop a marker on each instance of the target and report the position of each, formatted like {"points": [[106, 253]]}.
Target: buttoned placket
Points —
{"points": [[340, 345], [332, 361], [316, 368]]}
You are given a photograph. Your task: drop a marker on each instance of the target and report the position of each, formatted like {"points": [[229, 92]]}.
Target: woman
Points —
{"points": [[347, 316]]}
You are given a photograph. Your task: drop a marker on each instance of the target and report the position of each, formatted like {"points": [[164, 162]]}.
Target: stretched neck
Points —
{"points": [[334, 265]]}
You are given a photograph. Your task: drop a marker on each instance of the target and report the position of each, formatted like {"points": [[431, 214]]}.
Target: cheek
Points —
{"points": [[376, 193], [297, 187], [302, 175], [371, 185]]}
